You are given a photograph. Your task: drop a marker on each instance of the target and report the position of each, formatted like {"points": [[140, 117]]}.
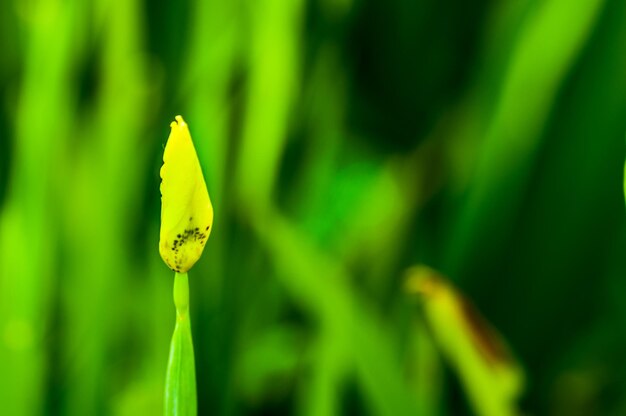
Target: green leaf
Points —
{"points": [[180, 381]]}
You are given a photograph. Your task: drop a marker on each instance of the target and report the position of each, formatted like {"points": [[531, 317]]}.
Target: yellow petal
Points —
{"points": [[186, 211]]}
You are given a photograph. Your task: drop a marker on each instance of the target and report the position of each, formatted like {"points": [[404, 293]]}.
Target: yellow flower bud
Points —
{"points": [[186, 210]]}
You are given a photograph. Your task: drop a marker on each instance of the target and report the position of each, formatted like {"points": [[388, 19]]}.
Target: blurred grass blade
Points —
{"points": [[50, 33], [98, 172], [180, 381], [624, 179], [553, 33], [491, 377], [425, 369], [351, 337], [274, 68]]}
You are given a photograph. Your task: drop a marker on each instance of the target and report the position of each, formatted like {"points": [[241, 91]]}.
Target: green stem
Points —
{"points": [[181, 295], [180, 381]]}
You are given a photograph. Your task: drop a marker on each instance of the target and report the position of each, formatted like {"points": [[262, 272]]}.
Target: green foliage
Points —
{"points": [[341, 142]]}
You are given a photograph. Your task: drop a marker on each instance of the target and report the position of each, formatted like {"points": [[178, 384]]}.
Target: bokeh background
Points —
{"points": [[342, 142]]}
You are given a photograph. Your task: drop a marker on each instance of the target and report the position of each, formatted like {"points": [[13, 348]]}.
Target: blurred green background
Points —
{"points": [[342, 141]]}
